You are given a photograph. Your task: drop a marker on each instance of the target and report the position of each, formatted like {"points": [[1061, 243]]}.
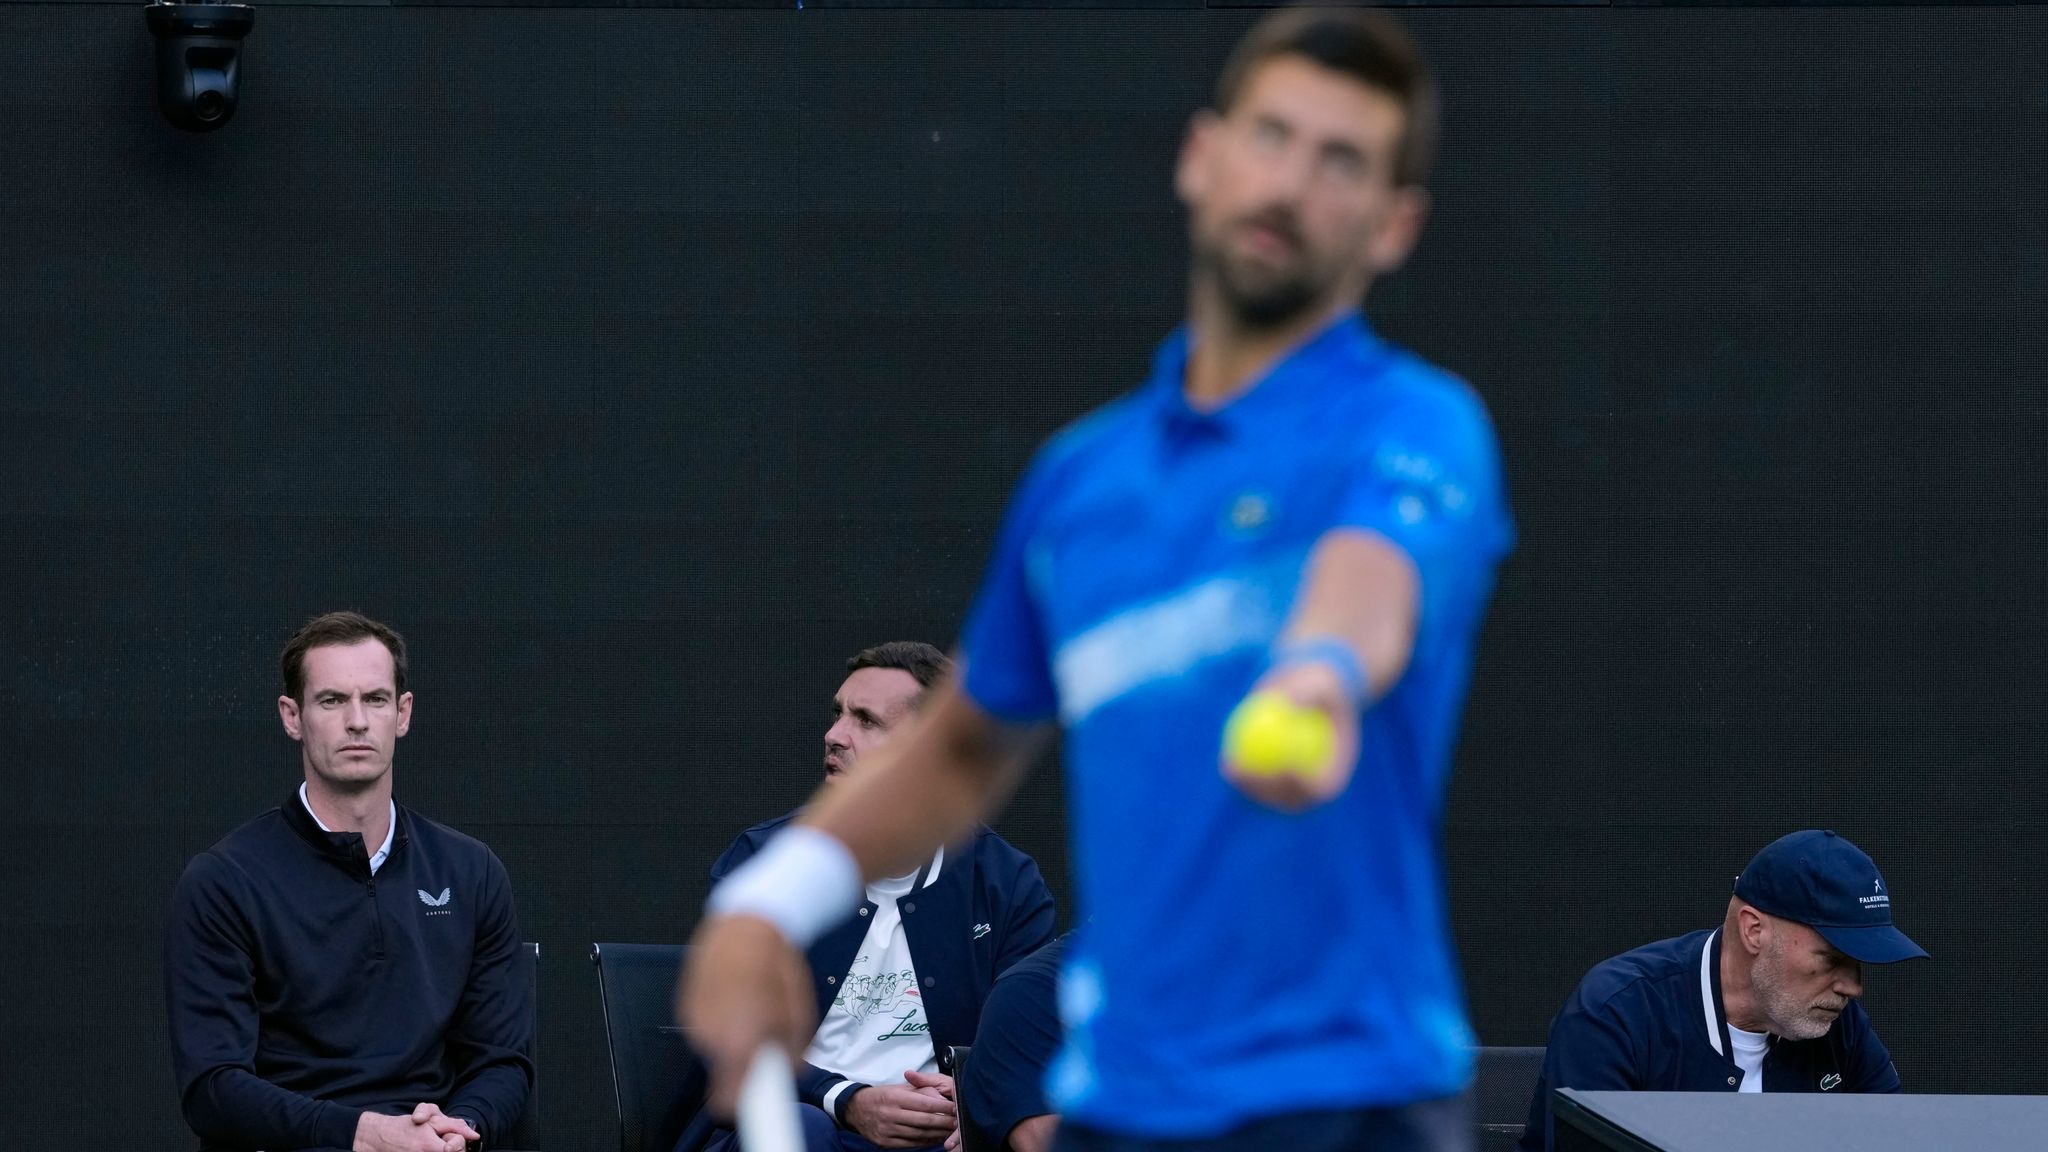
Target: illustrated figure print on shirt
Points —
{"points": [[876, 1023], [871, 994]]}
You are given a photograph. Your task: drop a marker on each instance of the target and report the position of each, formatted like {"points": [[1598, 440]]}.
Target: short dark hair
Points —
{"points": [[916, 657], [330, 630], [1366, 45]]}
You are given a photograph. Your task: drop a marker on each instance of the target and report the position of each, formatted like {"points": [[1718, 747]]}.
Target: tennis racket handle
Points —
{"points": [[767, 1117]]}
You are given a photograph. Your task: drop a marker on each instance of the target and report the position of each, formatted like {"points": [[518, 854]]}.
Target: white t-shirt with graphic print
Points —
{"points": [[876, 1025]]}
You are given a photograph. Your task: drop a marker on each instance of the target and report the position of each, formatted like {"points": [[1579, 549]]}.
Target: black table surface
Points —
{"points": [[1810, 1122]]}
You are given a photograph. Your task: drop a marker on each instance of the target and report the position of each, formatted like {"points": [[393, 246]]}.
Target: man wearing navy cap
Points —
{"points": [[1764, 1003]]}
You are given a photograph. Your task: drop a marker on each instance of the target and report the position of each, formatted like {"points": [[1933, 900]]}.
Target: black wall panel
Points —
{"points": [[641, 364]]}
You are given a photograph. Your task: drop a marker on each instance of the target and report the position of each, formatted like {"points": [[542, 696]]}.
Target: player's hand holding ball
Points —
{"points": [[1292, 742]]}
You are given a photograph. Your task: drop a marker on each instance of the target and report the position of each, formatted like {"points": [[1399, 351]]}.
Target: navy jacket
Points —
{"points": [[1003, 1084], [986, 909], [303, 991], [1652, 1020]]}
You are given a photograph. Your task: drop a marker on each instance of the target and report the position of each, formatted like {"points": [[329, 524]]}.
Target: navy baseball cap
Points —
{"points": [[1821, 880]]}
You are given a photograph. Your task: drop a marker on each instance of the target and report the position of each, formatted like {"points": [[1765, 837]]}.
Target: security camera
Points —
{"points": [[198, 60]]}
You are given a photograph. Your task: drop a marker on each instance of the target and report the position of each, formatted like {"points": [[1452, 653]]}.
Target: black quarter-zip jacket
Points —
{"points": [[304, 991]]}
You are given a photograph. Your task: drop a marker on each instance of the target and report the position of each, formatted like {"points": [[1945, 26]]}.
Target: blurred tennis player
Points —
{"points": [[1289, 504]]}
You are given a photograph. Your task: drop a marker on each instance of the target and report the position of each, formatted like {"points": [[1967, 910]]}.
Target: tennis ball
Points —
{"points": [[1269, 735]]}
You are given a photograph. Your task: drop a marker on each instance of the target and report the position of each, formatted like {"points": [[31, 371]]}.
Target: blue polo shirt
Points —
{"points": [[1241, 962]]}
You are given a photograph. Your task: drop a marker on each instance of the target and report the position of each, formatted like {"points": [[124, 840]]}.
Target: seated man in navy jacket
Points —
{"points": [[343, 973], [1002, 1089], [907, 975], [1764, 1003]]}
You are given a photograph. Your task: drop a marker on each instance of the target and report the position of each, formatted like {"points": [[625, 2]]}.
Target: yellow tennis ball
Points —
{"points": [[1269, 735]]}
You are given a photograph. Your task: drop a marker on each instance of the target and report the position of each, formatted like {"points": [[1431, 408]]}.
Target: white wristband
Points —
{"points": [[805, 883]]}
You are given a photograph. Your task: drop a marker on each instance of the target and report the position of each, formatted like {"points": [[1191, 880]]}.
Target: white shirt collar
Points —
{"points": [[1708, 956], [390, 829], [893, 887]]}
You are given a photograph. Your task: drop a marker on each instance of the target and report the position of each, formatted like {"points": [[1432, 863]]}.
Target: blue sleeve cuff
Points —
{"points": [[1329, 652]]}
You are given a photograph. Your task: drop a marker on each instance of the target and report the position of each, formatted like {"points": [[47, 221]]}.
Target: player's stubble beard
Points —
{"points": [[1262, 298]]}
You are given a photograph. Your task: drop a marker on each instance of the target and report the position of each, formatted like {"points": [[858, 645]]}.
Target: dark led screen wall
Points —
{"points": [[643, 363]]}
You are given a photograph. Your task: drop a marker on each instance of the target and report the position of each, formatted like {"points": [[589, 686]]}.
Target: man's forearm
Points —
{"points": [[931, 786], [814, 1084], [493, 1100], [1034, 1134], [236, 1107], [1363, 592]]}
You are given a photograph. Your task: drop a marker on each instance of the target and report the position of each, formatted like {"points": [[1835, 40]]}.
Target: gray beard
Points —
{"points": [[1789, 1015]]}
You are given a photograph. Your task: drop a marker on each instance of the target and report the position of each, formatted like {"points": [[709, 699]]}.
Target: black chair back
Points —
{"points": [[525, 1134], [657, 1082], [1506, 1082], [953, 1062]]}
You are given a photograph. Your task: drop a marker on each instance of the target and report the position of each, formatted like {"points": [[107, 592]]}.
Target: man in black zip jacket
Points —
{"points": [[1767, 1002], [340, 972]]}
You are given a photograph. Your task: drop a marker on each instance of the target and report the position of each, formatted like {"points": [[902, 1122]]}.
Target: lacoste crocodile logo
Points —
{"points": [[440, 901]]}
